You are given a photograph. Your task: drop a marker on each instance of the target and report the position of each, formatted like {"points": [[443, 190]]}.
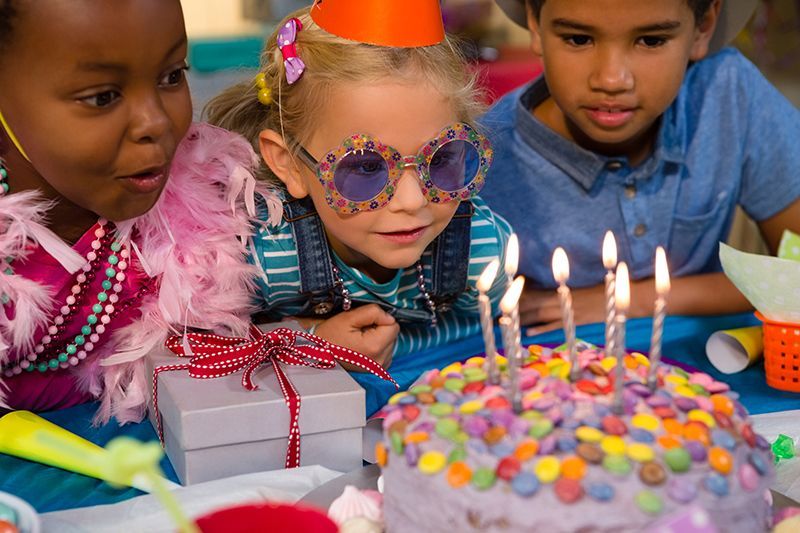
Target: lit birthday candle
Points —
{"points": [[509, 325], [662, 290], [487, 323], [512, 257], [610, 263], [623, 297], [561, 275]]}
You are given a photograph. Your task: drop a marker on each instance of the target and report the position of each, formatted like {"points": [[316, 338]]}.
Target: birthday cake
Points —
{"points": [[455, 455]]}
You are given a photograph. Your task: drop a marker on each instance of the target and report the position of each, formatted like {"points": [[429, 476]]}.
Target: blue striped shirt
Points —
{"points": [[273, 249]]}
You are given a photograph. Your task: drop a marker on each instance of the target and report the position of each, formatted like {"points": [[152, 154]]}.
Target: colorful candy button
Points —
{"points": [[498, 402], [668, 442], [458, 474], [508, 468], [494, 434], [525, 484], [697, 450], [412, 453], [645, 421], [640, 452], [381, 455], [526, 449], [426, 398], [716, 484], [722, 404], [416, 389], [431, 462], [748, 477], [410, 412], [566, 443], [678, 459], [608, 363], [547, 469], [396, 442], [696, 431], [642, 435], [613, 445], [681, 490], [589, 434], [541, 428], [457, 454], [568, 490], [705, 417], [723, 439], [617, 465], [613, 425], [573, 467], [440, 409], [686, 391], [653, 474], [672, 427], [447, 427], [600, 491], [483, 478], [470, 407], [649, 502], [454, 368], [758, 462], [454, 384], [589, 452], [415, 437], [720, 460], [396, 397]]}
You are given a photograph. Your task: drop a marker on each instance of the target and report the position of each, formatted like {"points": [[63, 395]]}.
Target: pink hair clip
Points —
{"points": [[287, 37]]}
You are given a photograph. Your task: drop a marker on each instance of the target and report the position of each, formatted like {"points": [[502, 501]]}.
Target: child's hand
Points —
{"points": [[367, 329], [543, 308]]}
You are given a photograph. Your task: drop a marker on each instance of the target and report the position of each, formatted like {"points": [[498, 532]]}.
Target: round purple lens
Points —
{"points": [[361, 175], [454, 165]]}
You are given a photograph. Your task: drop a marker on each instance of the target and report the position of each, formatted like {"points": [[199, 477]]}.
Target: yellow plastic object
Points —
{"points": [[29, 436]]}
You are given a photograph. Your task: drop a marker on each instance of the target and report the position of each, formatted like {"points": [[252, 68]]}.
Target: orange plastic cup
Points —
{"points": [[781, 354], [273, 517]]}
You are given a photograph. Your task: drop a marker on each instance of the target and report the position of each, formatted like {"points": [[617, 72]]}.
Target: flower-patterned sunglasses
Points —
{"points": [[362, 173]]}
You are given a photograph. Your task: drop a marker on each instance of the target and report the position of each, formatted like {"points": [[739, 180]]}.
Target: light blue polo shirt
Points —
{"points": [[728, 138]]}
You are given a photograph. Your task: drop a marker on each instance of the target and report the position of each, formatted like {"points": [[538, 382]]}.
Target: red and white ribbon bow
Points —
{"points": [[214, 356]]}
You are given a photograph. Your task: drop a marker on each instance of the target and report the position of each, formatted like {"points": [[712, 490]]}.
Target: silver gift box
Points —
{"points": [[215, 428]]}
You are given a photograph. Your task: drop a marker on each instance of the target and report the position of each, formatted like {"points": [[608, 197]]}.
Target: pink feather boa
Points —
{"points": [[193, 238]]}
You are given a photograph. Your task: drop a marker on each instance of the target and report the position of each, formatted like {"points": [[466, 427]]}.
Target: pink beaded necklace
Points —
{"points": [[106, 257]]}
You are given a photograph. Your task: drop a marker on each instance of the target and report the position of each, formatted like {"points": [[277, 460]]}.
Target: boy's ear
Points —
{"points": [[705, 31], [533, 26], [280, 161]]}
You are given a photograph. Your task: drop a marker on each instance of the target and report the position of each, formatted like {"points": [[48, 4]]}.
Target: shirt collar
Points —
{"points": [[585, 166]]}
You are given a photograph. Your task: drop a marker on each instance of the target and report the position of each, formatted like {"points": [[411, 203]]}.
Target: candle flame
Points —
{"points": [[560, 265], [488, 276], [609, 251], [622, 291], [512, 256], [511, 297], [662, 272]]}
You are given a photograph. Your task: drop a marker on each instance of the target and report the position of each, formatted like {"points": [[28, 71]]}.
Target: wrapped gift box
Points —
{"points": [[215, 428]]}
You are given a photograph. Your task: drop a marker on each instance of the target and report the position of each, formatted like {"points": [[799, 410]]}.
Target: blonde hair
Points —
{"points": [[330, 60]]}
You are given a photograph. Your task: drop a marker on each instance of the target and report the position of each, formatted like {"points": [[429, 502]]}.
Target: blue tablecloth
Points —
{"points": [[50, 489]]}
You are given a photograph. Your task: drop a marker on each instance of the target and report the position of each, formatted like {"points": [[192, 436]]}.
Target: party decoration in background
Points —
{"points": [[771, 284], [31, 437]]}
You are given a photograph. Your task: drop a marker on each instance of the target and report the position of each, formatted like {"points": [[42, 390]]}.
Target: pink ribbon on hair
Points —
{"points": [[213, 356], [287, 36]]}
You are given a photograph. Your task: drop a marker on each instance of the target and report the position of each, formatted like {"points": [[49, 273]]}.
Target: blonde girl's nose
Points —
{"points": [[408, 194]]}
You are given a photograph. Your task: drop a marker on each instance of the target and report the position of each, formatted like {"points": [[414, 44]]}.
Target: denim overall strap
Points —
{"points": [[313, 257], [450, 261]]}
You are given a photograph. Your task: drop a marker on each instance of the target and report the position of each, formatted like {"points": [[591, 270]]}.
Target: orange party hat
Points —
{"points": [[398, 23]]}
